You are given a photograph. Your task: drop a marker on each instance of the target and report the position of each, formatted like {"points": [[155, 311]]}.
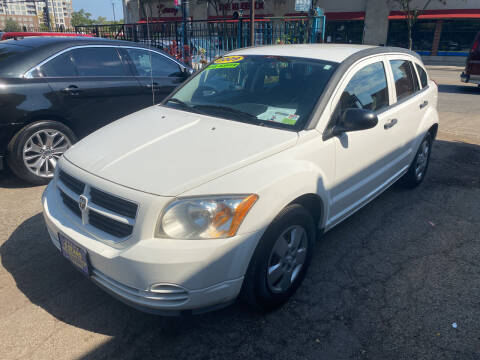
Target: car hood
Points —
{"points": [[166, 152]]}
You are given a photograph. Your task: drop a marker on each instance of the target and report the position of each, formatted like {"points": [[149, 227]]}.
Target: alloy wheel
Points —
{"points": [[42, 151], [287, 259]]}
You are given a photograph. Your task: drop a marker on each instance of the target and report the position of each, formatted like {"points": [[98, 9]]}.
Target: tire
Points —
{"points": [[44, 139], [264, 292], [415, 175]]}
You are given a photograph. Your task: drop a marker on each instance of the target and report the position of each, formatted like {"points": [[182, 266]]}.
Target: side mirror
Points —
{"points": [[354, 120]]}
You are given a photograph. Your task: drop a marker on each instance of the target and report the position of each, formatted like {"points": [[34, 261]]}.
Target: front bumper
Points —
{"points": [[188, 275]]}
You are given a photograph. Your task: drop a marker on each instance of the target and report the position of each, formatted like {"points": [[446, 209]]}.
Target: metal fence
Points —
{"points": [[198, 42]]}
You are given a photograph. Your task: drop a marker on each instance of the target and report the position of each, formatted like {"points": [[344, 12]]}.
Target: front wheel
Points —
{"points": [[281, 259], [35, 150], [418, 169]]}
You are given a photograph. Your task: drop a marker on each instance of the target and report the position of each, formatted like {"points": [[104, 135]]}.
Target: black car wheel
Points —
{"points": [[34, 151], [281, 259], [418, 169]]}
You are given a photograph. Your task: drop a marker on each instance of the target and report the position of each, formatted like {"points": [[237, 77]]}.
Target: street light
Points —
{"points": [[113, 6]]}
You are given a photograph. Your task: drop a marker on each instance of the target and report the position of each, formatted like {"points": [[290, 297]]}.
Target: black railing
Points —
{"points": [[198, 42]]}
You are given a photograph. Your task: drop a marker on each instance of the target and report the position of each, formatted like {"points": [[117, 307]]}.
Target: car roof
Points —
{"points": [[42, 47], [328, 52]]}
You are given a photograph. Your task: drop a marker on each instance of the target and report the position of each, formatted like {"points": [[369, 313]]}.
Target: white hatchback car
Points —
{"points": [[223, 188]]}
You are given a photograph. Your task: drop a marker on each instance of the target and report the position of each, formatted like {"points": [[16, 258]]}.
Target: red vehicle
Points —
{"points": [[19, 34], [472, 68]]}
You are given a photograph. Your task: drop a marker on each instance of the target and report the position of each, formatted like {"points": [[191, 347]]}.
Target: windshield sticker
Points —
{"points": [[223, 66], [280, 115], [229, 59]]}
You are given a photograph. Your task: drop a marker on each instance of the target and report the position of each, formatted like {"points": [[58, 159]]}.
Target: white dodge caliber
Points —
{"points": [[222, 189]]}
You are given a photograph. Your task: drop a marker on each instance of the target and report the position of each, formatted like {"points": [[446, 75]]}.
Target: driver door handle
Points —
{"points": [[390, 124], [422, 105]]}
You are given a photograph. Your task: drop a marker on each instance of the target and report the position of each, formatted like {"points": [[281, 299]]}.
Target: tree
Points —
{"points": [[81, 17], [411, 13], [12, 25]]}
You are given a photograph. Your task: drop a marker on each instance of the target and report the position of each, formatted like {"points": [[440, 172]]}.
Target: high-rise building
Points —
{"points": [[32, 14]]}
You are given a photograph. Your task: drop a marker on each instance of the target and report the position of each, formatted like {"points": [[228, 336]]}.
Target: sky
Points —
{"points": [[100, 8]]}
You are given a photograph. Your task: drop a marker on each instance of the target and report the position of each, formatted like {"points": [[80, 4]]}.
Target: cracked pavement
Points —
{"points": [[385, 284]]}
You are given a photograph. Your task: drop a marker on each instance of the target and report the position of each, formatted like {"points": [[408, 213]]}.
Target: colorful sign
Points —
{"points": [[228, 59]]}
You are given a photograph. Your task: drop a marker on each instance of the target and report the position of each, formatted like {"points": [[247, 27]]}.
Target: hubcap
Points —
{"points": [[422, 159], [43, 149], [286, 259]]}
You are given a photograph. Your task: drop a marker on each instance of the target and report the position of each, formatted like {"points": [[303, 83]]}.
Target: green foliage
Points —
{"points": [[12, 25], [81, 17]]}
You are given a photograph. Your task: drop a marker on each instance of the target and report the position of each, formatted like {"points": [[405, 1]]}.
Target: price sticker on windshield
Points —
{"points": [[228, 59]]}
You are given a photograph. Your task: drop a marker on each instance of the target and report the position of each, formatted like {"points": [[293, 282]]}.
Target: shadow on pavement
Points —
{"points": [[385, 281], [9, 181], [458, 89]]}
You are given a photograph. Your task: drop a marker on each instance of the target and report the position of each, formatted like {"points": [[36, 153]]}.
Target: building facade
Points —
{"points": [[443, 29], [30, 14]]}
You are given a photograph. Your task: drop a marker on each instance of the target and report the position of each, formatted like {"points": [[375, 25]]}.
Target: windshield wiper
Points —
{"points": [[239, 114], [178, 101]]}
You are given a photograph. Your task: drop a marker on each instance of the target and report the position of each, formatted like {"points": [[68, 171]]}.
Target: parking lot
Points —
{"points": [[398, 280]]}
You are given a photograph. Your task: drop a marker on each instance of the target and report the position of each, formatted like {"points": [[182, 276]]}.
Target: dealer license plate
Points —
{"points": [[77, 255]]}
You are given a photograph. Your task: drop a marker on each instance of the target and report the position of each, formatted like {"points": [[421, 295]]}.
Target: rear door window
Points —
{"points": [[147, 61], [98, 61], [423, 75], [403, 77]]}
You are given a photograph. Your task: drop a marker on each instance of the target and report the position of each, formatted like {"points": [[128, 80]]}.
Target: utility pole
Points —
{"points": [[252, 22], [113, 6], [185, 32]]}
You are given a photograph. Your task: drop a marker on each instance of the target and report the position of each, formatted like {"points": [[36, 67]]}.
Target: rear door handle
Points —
{"points": [[154, 86], [71, 90], [390, 124], [422, 105]]}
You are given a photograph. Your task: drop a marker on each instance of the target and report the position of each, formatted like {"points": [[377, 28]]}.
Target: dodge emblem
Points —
{"points": [[82, 202]]}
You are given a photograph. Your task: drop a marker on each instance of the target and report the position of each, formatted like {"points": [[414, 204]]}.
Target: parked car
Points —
{"points": [[472, 67], [223, 190], [23, 34], [55, 90]]}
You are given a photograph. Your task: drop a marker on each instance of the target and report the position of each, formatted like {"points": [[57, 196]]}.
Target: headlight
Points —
{"points": [[204, 218]]}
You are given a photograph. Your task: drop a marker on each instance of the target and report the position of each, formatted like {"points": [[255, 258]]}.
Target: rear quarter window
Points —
{"points": [[423, 75]]}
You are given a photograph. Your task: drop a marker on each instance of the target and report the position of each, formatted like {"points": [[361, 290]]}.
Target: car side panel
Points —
{"points": [[21, 101]]}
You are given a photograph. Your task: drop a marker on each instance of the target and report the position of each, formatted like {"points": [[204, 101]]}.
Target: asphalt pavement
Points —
{"points": [[398, 280]]}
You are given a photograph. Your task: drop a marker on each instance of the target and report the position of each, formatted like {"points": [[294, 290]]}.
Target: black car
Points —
{"points": [[54, 91]]}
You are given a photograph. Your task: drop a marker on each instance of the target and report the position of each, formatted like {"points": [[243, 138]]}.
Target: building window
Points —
{"points": [[344, 31], [458, 35], [422, 34]]}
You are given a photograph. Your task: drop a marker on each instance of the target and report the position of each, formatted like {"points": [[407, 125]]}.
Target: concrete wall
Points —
{"points": [[376, 22]]}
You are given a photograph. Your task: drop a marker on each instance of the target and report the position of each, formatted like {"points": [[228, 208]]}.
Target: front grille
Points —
{"points": [[70, 182], [109, 225], [113, 203], [108, 213], [71, 204]]}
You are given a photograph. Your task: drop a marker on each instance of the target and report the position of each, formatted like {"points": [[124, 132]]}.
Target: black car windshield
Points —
{"points": [[264, 90]]}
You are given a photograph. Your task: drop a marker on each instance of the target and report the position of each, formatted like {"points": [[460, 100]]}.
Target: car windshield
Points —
{"points": [[264, 90]]}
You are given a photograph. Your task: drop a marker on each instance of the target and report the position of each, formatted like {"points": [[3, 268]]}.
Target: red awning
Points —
{"points": [[441, 14], [397, 15]]}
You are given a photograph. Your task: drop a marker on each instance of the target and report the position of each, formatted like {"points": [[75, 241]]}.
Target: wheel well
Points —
{"points": [[433, 130], [313, 203]]}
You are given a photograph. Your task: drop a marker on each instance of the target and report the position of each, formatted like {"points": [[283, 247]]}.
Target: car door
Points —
{"points": [[366, 161], [155, 71], [93, 86], [408, 103]]}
